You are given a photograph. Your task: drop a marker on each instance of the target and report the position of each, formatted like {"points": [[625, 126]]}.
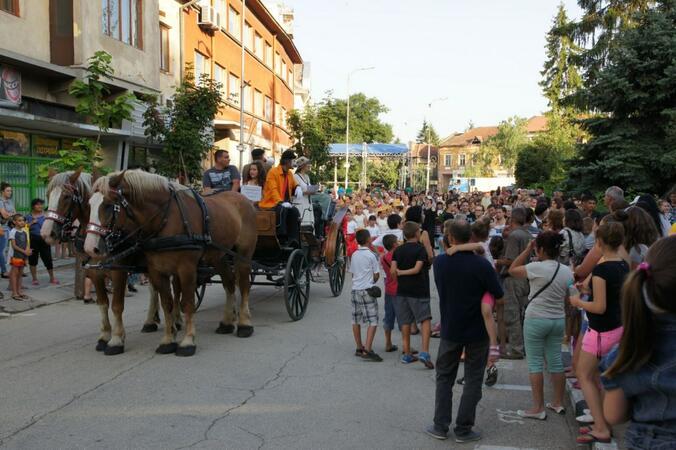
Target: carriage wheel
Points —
{"points": [[200, 290], [337, 270], [296, 285]]}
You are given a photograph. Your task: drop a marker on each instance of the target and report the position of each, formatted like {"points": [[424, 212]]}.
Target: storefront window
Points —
{"points": [[13, 143]]}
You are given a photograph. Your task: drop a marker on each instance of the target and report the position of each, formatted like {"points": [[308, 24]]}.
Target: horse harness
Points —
{"points": [[119, 246], [66, 221]]}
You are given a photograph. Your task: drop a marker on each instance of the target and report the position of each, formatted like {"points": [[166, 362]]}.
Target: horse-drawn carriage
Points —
{"points": [[276, 264]]}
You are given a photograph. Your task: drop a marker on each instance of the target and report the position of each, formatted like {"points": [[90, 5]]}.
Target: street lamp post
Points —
{"points": [[347, 127], [429, 106]]}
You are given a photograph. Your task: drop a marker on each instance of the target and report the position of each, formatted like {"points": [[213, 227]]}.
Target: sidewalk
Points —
{"points": [[45, 293]]}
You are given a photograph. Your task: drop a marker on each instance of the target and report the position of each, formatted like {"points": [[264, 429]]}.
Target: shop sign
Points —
{"points": [[45, 146], [10, 86]]}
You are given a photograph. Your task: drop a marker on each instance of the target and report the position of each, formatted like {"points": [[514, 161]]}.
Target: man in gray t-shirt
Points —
{"points": [[223, 176], [516, 290]]}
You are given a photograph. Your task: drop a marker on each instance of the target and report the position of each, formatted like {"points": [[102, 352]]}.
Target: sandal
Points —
{"points": [[591, 439], [35, 283], [372, 356], [584, 430], [88, 301], [393, 348], [18, 298], [24, 297], [360, 352]]}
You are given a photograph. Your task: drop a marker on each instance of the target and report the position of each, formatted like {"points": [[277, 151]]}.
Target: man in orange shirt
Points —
{"points": [[278, 191]]}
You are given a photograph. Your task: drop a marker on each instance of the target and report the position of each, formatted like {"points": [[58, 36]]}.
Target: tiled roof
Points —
{"points": [[466, 138], [537, 124]]}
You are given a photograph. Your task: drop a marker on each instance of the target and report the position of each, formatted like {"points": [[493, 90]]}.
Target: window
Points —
{"points": [[164, 48], [10, 6], [283, 117], [277, 65], [233, 92], [462, 160], [283, 71], [278, 114], [268, 54], [290, 79], [258, 103], [202, 66], [247, 98], [122, 20], [221, 76], [268, 109], [248, 36], [447, 160], [258, 46], [234, 23]]}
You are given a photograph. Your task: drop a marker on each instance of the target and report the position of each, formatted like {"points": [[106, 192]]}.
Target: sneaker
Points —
{"points": [[470, 436], [372, 356], [55, 282], [491, 376], [460, 381], [131, 288], [426, 359], [436, 433], [585, 418], [407, 359]]}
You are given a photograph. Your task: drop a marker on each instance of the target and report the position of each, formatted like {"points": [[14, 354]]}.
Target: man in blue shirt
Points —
{"points": [[462, 280]]}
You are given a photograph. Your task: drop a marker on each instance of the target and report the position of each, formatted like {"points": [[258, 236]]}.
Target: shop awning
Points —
{"points": [[374, 150]]}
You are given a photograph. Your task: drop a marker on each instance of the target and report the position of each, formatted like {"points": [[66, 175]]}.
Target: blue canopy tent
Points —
{"points": [[365, 151]]}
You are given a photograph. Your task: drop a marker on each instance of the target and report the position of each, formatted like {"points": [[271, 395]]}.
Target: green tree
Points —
{"points": [[365, 123], [311, 139], [427, 134], [512, 137], [185, 128], [633, 138], [98, 107], [598, 28], [385, 171], [534, 166], [560, 76]]}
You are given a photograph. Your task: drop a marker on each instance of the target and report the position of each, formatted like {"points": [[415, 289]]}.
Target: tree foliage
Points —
{"points": [[185, 127], [560, 76], [633, 138], [427, 134], [96, 105], [311, 139], [512, 137]]}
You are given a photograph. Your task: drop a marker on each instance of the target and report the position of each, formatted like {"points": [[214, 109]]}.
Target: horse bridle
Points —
{"points": [[113, 236], [66, 221]]}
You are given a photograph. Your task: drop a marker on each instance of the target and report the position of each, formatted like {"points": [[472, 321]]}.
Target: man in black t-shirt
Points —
{"points": [[410, 265]]}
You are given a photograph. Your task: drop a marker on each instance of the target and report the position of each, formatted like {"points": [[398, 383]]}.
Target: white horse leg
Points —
{"points": [[102, 302], [116, 343], [188, 279]]}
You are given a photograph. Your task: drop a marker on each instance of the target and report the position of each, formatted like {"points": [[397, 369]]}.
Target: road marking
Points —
{"points": [[512, 387], [509, 417], [4, 314], [498, 447]]}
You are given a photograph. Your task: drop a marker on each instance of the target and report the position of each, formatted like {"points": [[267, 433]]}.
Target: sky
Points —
{"points": [[483, 56]]}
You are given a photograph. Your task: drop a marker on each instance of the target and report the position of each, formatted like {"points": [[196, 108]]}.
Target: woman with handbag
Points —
{"points": [[544, 321]]}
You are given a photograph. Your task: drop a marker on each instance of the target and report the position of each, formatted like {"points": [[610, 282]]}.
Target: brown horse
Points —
{"points": [[68, 194], [167, 221]]}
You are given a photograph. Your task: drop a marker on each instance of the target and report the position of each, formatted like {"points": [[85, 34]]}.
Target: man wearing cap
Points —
{"points": [[278, 192]]}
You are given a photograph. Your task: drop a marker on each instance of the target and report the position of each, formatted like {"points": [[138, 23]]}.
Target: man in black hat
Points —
{"points": [[278, 192]]}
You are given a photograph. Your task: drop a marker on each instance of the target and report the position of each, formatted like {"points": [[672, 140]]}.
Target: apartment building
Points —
{"points": [[458, 152], [208, 35], [45, 44]]}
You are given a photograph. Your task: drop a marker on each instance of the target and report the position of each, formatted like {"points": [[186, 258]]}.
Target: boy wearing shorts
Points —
{"points": [[365, 274], [410, 267], [390, 243], [19, 251]]}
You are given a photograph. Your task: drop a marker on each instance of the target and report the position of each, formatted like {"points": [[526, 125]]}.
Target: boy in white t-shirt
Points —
{"points": [[373, 228]]}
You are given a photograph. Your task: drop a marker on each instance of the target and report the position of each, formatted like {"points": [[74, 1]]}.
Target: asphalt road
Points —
{"points": [[291, 385]]}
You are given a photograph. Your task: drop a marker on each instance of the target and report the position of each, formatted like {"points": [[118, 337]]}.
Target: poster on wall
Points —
{"points": [[10, 86]]}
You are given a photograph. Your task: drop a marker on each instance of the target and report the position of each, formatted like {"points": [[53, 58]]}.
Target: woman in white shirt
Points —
{"points": [[302, 199]]}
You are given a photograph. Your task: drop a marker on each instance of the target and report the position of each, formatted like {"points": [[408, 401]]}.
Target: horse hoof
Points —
{"points": [[188, 350], [178, 326], [113, 350], [165, 349], [101, 345], [149, 328], [244, 331], [225, 329]]}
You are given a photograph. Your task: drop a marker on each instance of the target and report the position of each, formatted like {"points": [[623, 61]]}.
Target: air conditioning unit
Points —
{"points": [[207, 17]]}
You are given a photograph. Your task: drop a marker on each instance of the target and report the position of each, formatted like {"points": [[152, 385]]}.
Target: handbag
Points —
{"points": [[542, 289], [374, 291]]}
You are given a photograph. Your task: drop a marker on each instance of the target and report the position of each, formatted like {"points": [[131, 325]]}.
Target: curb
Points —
{"points": [[577, 400]]}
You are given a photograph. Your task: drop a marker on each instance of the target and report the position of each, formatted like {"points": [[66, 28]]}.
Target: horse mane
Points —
{"points": [[139, 184], [83, 183]]}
